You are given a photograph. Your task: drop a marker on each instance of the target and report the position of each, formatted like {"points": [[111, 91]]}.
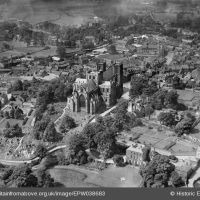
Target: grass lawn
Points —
{"points": [[74, 176], [46, 53], [70, 178]]}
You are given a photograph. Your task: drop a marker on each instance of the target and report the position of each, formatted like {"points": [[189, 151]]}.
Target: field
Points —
{"points": [[34, 51], [45, 53], [73, 176], [20, 51], [70, 178]]}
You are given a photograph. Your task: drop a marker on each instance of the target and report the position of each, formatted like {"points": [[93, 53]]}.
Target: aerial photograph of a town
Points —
{"points": [[100, 93]]}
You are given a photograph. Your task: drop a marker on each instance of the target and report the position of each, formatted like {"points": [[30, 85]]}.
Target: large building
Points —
{"points": [[134, 154], [101, 89]]}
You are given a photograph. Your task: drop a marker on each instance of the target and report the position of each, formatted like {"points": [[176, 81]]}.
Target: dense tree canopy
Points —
{"points": [[67, 124], [158, 173], [23, 176], [12, 131], [50, 134], [167, 119]]}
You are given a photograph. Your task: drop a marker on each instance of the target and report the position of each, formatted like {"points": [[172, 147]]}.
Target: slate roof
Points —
{"points": [[90, 86]]}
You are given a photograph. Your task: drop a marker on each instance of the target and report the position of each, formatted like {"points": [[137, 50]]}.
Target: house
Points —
{"points": [[134, 154]]}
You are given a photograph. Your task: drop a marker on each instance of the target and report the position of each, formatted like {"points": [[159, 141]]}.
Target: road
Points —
{"points": [[105, 113], [194, 177], [19, 162]]}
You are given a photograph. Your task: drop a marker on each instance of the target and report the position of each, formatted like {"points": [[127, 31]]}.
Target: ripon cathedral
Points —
{"points": [[99, 90]]}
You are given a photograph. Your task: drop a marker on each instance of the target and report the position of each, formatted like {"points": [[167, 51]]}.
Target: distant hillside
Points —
{"points": [[77, 12]]}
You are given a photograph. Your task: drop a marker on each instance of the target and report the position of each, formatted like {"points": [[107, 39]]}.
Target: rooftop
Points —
{"points": [[90, 85], [136, 147], [105, 83]]}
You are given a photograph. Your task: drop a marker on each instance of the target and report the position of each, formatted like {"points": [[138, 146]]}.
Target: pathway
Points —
{"points": [[194, 177], [18, 162]]}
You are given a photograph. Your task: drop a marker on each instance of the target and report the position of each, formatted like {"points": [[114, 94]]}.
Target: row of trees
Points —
{"points": [[13, 114], [54, 91], [181, 126], [71, 35], [159, 99], [12, 131], [164, 99], [45, 130], [140, 86], [23, 176]]}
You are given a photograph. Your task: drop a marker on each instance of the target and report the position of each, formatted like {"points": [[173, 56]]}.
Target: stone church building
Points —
{"points": [[101, 89]]}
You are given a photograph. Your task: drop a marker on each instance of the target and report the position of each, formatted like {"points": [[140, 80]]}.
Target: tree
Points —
{"points": [[40, 151], [20, 176], [61, 51], [137, 86], [50, 133], [105, 143], [51, 110], [67, 124], [118, 160], [26, 85], [184, 127], [17, 86], [44, 179], [158, 100], [26, 181], [146, 154], [77, 149], [176, 180], [112, 49], [171, 99], [167, 119], [5, 98], [6, 115], [186, 124], [13, 131], [2, 113], [40, 127], [7, 125], [12, 113], [18, 113], [149, 111], [158, 172], [77, 142], [147, 92]]}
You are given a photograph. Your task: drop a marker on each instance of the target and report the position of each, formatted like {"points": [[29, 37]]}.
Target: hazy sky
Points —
{"points": [[73, 11]]}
